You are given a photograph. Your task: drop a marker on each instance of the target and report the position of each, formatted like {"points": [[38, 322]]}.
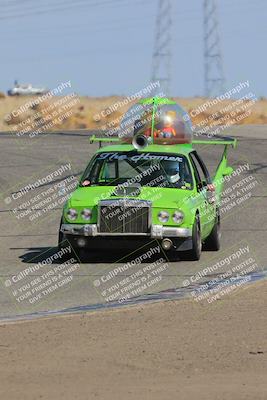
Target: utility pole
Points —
{"points": [[162, 55]]}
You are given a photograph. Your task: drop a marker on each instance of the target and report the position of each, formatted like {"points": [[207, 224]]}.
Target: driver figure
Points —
{"points": [[167, 131]]}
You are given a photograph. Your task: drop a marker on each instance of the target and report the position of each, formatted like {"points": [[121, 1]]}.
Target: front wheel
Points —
{"points": [[61, 238], [64, 243], [195, 253], [212, 243]]}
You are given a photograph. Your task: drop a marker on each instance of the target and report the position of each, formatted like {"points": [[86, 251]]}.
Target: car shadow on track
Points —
{"points": [[34, 255]]}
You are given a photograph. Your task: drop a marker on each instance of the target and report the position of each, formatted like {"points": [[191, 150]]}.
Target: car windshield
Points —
{"points": [[137, 168]]}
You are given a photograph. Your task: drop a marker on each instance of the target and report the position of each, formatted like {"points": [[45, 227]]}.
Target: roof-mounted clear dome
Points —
{"points": [[161, 119]]}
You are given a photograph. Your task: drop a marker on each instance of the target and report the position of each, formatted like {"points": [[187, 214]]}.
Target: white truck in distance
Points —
{"points": [[26, 89]]}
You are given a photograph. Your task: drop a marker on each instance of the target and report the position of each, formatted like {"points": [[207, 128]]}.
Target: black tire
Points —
{"points": [[195, 253], [174, 255], [61, 237], [213, 241], [63, 242]]}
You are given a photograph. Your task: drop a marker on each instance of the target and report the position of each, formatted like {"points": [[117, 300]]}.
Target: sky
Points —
{"points": [[105, 47]]}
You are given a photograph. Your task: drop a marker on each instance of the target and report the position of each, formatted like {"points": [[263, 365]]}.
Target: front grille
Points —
{"points": [[124, 216]]}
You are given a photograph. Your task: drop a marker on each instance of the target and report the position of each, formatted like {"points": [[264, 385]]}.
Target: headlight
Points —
{"points": [[72, 214], [86, 214], [163, 216], [178, 217]]}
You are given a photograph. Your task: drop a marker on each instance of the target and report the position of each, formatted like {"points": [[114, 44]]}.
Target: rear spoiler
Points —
{"points": [[227, 141], [101, 140], [93, 139]]}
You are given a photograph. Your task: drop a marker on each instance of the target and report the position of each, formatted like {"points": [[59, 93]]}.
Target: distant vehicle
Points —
{"points": [[26, 89]]}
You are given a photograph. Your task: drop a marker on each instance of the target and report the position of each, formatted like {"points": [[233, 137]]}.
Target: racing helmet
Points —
{"points": [[172, 171]]}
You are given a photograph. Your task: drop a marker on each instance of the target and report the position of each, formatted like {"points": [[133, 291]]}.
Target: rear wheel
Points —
{"points": [[212, 243]]}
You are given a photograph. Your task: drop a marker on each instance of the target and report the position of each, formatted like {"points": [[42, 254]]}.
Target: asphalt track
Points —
{"points": [[26, 242]]}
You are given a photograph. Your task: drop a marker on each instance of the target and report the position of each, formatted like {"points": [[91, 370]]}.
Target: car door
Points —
{"points": [[207, 205]]}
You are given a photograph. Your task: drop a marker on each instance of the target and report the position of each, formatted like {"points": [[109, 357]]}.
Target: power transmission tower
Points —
{"points": [[213, 68], [161, 64]]}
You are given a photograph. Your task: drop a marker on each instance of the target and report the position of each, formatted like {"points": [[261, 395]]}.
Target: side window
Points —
{"points": [[108, 171], [201, 172], [93, 174]]}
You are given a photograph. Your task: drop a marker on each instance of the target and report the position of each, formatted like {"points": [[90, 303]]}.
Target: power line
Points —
{"points": [[25, 5], [70, 6]]}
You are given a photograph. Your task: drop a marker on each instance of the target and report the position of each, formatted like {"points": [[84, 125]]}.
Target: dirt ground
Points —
{"points": [[160, 351], [96, 113]]}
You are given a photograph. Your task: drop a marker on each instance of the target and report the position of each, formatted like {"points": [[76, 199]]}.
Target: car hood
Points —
{"points": [[160, 197]]}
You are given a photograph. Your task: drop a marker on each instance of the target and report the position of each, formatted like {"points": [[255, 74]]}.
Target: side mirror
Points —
{"points": [[211, 187], [210, 193], [228, 171]]}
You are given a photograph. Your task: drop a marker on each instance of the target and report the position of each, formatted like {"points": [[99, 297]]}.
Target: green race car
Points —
{"points": [[149, 184]]}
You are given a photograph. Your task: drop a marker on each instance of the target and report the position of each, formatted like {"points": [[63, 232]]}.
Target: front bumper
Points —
{"points": [[156, 231]]}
